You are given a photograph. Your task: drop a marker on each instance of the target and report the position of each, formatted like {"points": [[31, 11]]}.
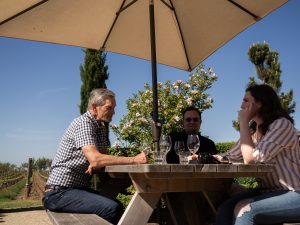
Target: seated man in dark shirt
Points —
{"points": [[191, 125], [191, 208]]}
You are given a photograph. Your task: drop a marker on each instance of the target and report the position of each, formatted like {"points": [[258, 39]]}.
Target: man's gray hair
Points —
{"points": [[99, 95]]}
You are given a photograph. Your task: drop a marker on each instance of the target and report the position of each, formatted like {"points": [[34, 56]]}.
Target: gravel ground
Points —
{"points": [[28, 217]]}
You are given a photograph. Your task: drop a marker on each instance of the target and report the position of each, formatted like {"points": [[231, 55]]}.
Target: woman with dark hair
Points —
{"points": [[272, 138]]}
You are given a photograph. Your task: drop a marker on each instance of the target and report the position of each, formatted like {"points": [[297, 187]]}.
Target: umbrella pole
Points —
{"points": [[156, 126]]}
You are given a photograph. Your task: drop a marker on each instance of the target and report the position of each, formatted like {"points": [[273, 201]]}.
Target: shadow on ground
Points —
{"points": [[20, 210]]}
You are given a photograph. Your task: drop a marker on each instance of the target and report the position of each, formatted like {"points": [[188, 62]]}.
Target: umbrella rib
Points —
{"points": [[180, 33], [22, 12], [256, 18], [115, 20], [163, 1], [129, 4]]}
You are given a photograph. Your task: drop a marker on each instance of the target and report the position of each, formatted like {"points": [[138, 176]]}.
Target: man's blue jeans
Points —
{"points": [[255, 208], [75, 200]]}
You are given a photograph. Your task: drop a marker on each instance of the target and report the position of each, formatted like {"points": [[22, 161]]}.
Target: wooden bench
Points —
{"points": [[75, 219], [78, 219], [291, 224]]}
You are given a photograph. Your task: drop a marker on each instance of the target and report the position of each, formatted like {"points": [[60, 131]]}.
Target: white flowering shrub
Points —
{"points": [[173, 98]]}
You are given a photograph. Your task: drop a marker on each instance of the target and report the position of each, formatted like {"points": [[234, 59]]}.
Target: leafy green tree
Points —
{"points": [[173, 98], [93, 75], [42, 163], [5, 167], [24, 166], [268, 71]]}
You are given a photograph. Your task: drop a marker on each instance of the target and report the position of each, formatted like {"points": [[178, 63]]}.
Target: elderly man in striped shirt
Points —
{"points": [[83, 148]]}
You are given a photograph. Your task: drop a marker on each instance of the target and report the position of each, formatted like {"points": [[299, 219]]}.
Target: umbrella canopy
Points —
{"points": [[187, 32], [176, 33]]}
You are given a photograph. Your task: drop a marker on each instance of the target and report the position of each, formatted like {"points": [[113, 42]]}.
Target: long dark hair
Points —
{"points": [[271, 108]]}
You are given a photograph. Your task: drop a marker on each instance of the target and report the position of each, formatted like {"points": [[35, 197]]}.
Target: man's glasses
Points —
{"points": [[189, 119]]}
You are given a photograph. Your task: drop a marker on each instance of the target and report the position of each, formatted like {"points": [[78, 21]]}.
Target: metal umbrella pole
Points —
{"points": [[156, 126]]}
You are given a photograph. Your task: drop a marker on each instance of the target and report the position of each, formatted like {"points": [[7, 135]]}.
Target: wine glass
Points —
{"points": [[193, 143], [165, 144], [179, 147], [146, 148]]}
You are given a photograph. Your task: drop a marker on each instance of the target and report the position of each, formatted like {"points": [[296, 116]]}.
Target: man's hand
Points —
{"points": [[193, 157], [140, 158], [90, 170]]}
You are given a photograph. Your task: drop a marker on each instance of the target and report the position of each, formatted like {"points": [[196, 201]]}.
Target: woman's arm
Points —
{"points": [[281, 135], [246, 144]]}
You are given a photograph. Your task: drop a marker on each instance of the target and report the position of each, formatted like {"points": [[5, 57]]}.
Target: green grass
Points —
{"points": [[248, 182], [12, 192], [15, 204], [8, 197]]}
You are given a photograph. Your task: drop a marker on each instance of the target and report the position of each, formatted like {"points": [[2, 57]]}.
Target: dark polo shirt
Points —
{"points": [[206, 145]]}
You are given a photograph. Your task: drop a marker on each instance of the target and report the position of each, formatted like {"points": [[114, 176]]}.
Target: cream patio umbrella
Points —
{"points": [[177, 33]]}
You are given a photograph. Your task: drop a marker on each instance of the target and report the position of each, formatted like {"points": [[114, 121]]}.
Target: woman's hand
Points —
{"points": [[221, 159], [248, 112]]}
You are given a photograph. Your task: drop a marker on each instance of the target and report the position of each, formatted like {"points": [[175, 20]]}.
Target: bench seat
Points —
{"points": [[58, 218], [291, 224]]}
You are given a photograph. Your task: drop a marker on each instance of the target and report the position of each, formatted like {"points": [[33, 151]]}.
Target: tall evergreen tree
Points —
{"points": [[268, 71], [93, 75]]}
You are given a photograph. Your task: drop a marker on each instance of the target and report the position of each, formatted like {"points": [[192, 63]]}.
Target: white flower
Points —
{"points": [[137, 114], [213, 75], [143, 120], [209, 100], [194, 92], [116, 144], [189, 101], [127, 125], [187, 86], [113, 126], [176, 118], [175, 86]]}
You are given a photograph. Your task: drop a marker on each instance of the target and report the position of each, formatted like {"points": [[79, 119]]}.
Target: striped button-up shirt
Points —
{"points": [[69, 165], [280, 145]]}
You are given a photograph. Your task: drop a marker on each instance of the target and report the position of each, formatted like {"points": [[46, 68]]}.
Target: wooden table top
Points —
{"points": [[193, 170]]}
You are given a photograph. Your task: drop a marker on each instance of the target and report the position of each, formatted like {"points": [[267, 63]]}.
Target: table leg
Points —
{"points": [[210, 203], [139, 209]]}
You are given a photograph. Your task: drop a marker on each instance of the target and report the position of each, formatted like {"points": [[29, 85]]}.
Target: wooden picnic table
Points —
{"points": [[151, 181]]}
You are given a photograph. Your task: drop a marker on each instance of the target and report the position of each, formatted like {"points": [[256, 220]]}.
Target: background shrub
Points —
{"points": [[224, 146]]}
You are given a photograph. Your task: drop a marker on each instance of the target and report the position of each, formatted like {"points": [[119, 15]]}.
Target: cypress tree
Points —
{"points": [[268, 71], [93, 75]]}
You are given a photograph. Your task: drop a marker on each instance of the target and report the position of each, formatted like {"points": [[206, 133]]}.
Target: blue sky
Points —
{"points": [[40, 84]]}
